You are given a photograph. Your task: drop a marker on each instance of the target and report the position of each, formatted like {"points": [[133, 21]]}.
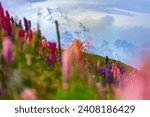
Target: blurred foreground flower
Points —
{"points": [[7, 49], [66, 67], [1, 10], [28, 94], [136, 85], [71, 55], [101, 89], [76, 49]]}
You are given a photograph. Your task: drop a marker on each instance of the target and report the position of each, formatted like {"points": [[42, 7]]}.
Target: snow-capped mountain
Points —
{"points": [[69, 28], [118, 49]]}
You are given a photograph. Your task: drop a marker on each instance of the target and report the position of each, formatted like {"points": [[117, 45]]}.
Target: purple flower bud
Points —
{"points": [[12, 19], [102, 71], [16, 24], [7, 14], [26, 24], [121, 69], [29, 23], [20, 23], [48, 60]]}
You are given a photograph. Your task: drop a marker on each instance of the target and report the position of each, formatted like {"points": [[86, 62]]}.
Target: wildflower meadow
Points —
{"points": [[31, 67]]}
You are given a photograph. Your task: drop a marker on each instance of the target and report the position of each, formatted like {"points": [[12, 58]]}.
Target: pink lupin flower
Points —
{"points": [[30, 37], [7, 14], [88, 43], [7, 49], [1, 10], [39, 50], [44, 42], [97, 65], [115, 70], [52, 48], [66, 67], [137, 86], [101, 89], [28, 94], [6, 25], [76, 49], [21, 34]]}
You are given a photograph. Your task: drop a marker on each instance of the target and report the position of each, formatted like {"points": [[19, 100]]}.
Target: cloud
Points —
{"points": [[132, 5], [111, 27], [36, 0], [106, 21]]}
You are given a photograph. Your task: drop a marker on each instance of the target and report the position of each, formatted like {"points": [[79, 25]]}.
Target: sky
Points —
{"points": [[109, 19]]}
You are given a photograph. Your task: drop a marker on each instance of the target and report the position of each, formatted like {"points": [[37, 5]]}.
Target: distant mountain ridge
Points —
{"points": [[119, 49]]}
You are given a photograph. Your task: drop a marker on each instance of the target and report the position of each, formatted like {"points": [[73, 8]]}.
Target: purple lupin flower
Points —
{"points": [[7, 49], [29, 24], [109, 74], [121, 69], [103, 83], [101, 70], [48, 59], [20, 23], [26, 24], [12, 20]]}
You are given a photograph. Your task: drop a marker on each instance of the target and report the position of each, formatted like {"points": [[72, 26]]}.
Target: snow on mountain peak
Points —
{"points": [[69, 28]]}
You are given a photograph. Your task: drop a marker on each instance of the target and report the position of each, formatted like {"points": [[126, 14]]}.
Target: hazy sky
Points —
{"points": [[128, 18]]}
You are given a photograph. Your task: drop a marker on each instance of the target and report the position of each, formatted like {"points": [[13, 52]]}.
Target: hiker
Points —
{"points": [[106, 60]]}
